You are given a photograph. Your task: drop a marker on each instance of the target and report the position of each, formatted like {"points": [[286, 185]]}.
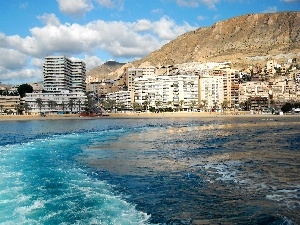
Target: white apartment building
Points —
{"points": [[211, 92], [122, 99], [131, 74], [61, 73], [169, 91], [78, 76], [61, 99]]}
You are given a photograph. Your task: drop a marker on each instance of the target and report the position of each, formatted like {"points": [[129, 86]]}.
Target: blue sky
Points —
{"points": [[100, 30]]}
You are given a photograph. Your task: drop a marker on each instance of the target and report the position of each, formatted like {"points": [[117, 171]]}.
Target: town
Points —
{"points": [[272, 87]]}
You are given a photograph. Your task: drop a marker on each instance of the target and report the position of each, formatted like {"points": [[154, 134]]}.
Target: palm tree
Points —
{"points": [[26, 107], [71, 105], [215, 104], [146, 103], [204, 101], [19, 109], [40, 104], [193, 103], [79, 102], [63, 105], [181, 103], [136, 106], [158, 104], [52, 104], [225, 104], [1, 107]]}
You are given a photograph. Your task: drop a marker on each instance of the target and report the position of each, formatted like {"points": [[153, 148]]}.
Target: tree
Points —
{"points": [[136, 106], [193, 103], [181, 103], [225, 105], [26, 107], [90, 104], [1, 108], [19, 109], [52, 104], [40, 104], [215, 104], [158, 104], [79, 102], [23, 89], [71, 105], [146, 103], [63, 106], [204, 101], [287, 107]]}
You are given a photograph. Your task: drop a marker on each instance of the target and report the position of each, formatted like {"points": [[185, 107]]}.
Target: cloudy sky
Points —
{"points": [[100, 30]]}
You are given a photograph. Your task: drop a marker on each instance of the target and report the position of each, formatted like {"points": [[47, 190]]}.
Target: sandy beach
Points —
{"points": [[138, 115]]}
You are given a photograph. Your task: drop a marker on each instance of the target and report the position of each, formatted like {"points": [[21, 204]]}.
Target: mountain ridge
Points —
{"points": [[238, 39]]}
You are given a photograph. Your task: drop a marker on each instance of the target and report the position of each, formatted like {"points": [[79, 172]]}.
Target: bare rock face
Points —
{"points": [[233, 40]]}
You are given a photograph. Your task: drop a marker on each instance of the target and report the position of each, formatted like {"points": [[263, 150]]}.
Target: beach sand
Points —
{"points": [[138, 115]]}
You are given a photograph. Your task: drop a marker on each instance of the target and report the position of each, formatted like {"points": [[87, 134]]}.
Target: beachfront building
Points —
{"points": [[211, 92], [9, 104], [61, 73], [130, 75], [56, 103], [179, 91], [122, 99]]}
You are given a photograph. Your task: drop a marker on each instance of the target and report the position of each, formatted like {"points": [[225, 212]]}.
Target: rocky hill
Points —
{"points": [[240, 40], [235, 40], [107, 70]]}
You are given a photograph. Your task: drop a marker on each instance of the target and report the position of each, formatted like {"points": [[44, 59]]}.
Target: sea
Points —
{"points": [[122, 171]]}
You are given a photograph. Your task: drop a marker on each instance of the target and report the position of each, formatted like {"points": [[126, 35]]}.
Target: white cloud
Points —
{"points": [[12, 59], [196, 3], [23, 5], [201, 18], [291, 1], [38, 63], [271, 9], [142, 25], [50, 19], [114, 39], [111, 3], [92, 61], [20, 76], [75, 7]]}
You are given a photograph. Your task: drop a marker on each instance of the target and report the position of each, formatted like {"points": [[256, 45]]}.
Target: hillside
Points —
{"points": [[242, 40], [235, 39], [106, 70]]}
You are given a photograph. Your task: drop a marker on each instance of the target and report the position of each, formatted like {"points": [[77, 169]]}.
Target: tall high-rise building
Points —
{"points": [[78, 76], [61, 74]]}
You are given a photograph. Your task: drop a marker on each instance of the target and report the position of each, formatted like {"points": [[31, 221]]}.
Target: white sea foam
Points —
{"points": [[290, 197]]}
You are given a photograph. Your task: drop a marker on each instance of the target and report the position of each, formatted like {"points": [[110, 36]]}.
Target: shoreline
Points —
{"points": [[143, 115]]}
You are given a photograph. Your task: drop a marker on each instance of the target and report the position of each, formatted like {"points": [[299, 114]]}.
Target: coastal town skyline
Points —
{"points": [[98, 31]]}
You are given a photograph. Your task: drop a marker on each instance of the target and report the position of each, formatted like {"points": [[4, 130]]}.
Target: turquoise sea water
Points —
{"points": [[150, 171]]}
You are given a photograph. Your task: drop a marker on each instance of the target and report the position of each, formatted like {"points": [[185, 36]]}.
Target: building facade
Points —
{"points": [[53, 103], [61, 73]]}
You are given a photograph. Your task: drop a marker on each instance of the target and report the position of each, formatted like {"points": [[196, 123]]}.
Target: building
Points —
{"points": [[122, 99], [179, 91], [53, 103], [78, 76], [9, 104], [61, 73], [211, 92], [130, 75]]}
